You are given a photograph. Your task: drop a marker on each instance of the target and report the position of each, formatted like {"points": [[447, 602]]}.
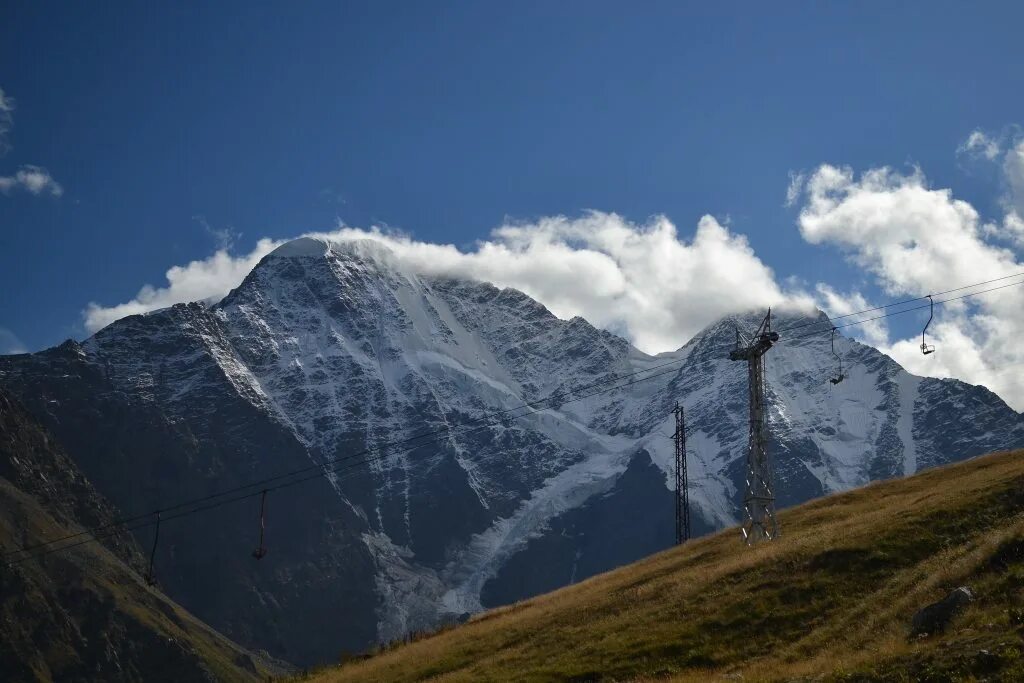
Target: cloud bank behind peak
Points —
{"points": [[641, 280], [657, 287]]}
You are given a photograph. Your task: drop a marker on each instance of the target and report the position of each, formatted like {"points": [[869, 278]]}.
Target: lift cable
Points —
{"points": [[897, 303], [900, 312], [556, 397]]}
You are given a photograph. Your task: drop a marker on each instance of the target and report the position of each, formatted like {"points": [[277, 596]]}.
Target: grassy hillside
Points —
{"points": [[86, 614], [832, 600]]}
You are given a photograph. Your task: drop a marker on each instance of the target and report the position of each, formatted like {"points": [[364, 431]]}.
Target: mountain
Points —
{"points": [[327, 353], [833, 600], [86, 615]]}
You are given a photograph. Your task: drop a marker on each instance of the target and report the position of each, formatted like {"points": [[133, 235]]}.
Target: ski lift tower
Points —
{"points": [[759, 522], [682, 485]]}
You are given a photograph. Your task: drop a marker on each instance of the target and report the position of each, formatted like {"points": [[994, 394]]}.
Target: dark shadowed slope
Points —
{"points": [[832, 600], [85, 614]]}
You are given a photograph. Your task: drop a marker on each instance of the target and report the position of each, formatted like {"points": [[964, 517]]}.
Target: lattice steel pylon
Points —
{"points": [[759, 522], [682, 488]]}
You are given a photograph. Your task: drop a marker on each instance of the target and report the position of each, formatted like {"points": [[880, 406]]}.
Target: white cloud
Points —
{"points": [[1013, 172], [795, 188], [839, 305], [225, 238], [9, 343], [202, 280], [1013, 228], [641, 280], [1008, 152], [916, 240], [649, 284], [32, 179], [979, 143]]}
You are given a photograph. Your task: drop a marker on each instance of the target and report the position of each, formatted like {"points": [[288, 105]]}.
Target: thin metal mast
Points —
{"points": [[682, 488], [759, 498]]}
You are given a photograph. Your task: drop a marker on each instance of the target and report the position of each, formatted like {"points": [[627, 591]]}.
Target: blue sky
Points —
{"points": [[165, 124]]}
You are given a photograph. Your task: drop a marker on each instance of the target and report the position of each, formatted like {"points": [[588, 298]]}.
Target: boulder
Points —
{"points": [[936, 617]]}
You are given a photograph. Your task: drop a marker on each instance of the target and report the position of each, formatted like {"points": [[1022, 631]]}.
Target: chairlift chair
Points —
{"points": [[150, 575], [261, 550], [928, 348], [839, 376]]}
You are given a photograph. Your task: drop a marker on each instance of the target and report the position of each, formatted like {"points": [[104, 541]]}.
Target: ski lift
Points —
{"points": [[839, 376], [928, 348], [150, 577], [261, 550]]}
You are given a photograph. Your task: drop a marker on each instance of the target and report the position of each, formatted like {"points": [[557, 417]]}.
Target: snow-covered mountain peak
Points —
{"points": [[783, 318], [366, 255], [301, 247]]}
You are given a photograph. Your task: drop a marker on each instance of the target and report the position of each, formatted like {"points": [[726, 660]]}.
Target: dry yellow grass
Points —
{"points": [[831, 600]]}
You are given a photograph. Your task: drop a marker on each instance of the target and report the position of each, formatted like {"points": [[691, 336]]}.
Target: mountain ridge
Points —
{"points": [[321, 354]]}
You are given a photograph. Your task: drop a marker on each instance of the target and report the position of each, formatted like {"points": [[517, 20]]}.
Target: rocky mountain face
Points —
{"points": [[86, 614], [339, 355]]}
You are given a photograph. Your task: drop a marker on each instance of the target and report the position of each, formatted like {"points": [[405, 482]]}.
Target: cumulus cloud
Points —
{"points": [[1007, 152], [1013, 228], [981, 144], [842, 305], [31, 179], [202, 280], [658, 287], [642, 280], [915, 240]]}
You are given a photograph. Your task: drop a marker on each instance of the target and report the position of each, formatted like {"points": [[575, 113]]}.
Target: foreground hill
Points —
{"points": [[86, 614], [832, 600], [330, 351]]}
